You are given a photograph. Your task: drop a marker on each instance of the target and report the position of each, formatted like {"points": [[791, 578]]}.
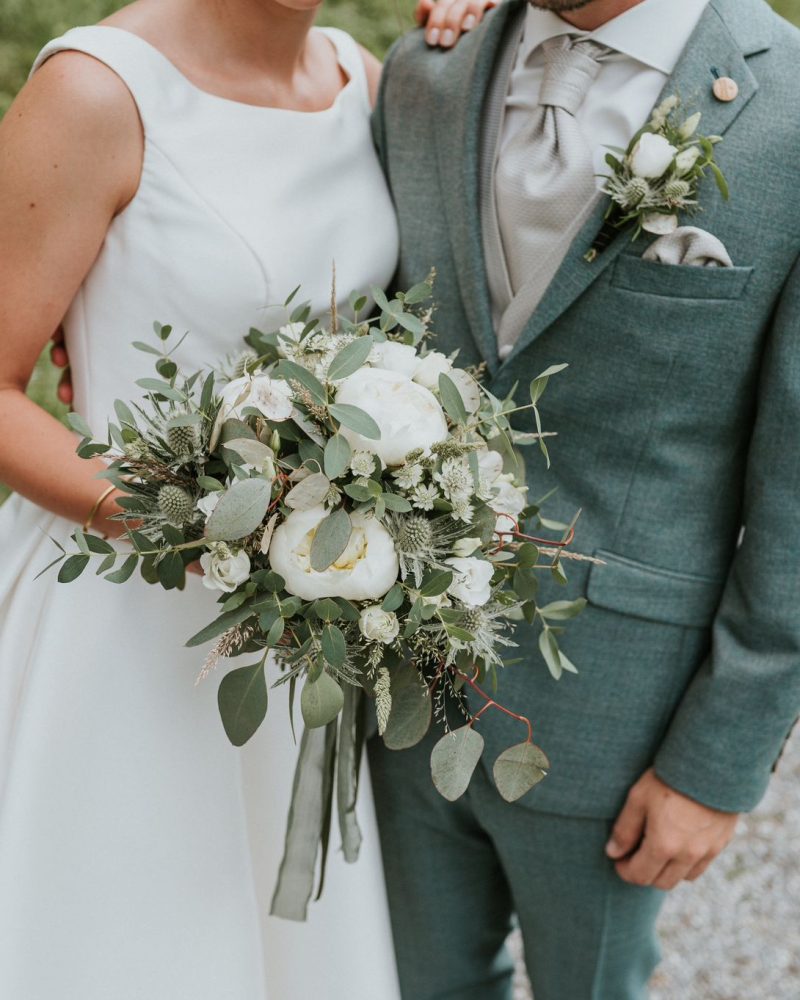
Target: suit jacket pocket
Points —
{"points": [[661, 595], [633, 274]]}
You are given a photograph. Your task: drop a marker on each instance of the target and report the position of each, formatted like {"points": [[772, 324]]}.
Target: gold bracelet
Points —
{"points": [[97, 505]]}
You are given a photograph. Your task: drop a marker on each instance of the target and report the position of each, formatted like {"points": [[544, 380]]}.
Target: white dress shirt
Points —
{"points": [[647, 42]]}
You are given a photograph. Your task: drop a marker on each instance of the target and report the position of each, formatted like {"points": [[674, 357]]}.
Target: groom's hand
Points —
{"points": [[662, 837], [60, 358]]}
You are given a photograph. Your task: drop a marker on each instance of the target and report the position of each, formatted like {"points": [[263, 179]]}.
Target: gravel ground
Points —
{"points": [[735, 933]]}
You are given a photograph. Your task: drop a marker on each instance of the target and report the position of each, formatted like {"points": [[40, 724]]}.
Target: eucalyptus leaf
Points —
{"points": [[410, 717], [518, 769], [251, 452], [239, 511], [454, 760], [334, 647], [321, 701], [125, 572], [451, 399], [79, 425], [562, 610], [243, 700], [350, 359], [337, 456], [72, 567], [539, 384], [548, 646], [330, 539], [308, 492], [356, 419]]}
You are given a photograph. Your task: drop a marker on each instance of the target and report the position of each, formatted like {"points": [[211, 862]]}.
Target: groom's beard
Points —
{"points": [[559, 5]]}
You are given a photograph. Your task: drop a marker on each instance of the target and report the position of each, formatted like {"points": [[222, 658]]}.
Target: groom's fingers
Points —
{"points": [[645, 865], [700, 868], [628, 829]]}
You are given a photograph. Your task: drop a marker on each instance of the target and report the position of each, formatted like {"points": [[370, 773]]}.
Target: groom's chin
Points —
{"points": [[557, 6]]}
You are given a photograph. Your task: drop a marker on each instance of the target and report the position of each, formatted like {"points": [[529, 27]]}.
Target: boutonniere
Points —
{"points": [[658, 175]]}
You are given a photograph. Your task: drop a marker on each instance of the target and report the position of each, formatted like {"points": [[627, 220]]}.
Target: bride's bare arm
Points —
{"points": [[71, 149]]}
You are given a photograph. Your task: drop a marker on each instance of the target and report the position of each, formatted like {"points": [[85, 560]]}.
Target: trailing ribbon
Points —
{"points": [[308, 823], [351, 747]]}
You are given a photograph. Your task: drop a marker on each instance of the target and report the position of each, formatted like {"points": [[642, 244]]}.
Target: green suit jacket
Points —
{"points": [[677, 423]]}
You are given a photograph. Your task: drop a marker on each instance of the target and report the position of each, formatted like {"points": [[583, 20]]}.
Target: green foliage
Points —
{"points": [[454, 760], [518, 769]]}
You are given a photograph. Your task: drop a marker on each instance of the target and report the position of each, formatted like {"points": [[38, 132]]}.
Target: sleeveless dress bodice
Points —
{"points": [[237, 205], [138, 849]]}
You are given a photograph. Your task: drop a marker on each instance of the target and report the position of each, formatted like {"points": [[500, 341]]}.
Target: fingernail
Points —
{"points": [[432, 37], [448, 38], [469, 22], [613, 849]]}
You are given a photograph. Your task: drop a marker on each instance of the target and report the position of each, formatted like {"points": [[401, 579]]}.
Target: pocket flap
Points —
{"points": [[634, 274], [661, 595]]}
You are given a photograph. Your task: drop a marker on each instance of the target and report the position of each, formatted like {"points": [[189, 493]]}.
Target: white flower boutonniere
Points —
{"points": [[658, 175]]}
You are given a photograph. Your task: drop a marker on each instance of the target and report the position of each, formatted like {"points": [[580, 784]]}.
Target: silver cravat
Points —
{"points": [[544, 179]]}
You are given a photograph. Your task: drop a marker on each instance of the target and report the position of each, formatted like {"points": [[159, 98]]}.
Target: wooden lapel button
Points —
{"points": [[725, 89]]}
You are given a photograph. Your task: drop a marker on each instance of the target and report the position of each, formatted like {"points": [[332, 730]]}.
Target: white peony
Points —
{"points": [[408, 415], [471, 580], [430, 367], [394, 357], [378, 625], [366, 570], [224, 569], [651, 156]]}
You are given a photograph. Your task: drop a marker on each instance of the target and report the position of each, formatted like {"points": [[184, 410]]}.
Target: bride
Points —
{"points": [[188, 161]]}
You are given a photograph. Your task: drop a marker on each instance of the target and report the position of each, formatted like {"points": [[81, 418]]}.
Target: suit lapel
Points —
{"points": [[711, 49], [460, 103]]}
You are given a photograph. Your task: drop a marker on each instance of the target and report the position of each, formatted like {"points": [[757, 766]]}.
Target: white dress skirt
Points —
{"points": [[138, 849]]}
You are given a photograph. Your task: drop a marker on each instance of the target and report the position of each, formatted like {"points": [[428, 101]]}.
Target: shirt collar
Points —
{"points": [[654, 32]]}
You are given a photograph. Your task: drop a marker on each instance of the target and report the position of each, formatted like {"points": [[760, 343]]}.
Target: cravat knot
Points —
{"points": [[570, 67]]}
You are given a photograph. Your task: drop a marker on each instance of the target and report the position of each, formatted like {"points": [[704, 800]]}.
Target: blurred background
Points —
{"points": [[735, 935]]}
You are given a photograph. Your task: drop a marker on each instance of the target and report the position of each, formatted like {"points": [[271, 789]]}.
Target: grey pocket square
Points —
{"points": [[690, 247]]}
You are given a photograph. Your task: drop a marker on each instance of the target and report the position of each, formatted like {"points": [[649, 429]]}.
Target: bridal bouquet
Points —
{"points": [[358, 502]]}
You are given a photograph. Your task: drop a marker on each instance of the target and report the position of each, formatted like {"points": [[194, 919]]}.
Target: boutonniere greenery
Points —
{"points": [[658, 175]]}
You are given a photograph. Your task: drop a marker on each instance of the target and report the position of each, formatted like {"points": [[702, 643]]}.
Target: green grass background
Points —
{"points": [[25, 26]]}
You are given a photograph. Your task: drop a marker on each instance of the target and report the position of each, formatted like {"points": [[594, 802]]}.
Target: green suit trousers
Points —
{"points": [[457, 872]]}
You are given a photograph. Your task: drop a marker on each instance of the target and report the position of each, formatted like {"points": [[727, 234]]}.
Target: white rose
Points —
{"points": [[685, 160], [466, 546], [508, 499], [471, 581], [366, 570], [689, 127], [224, 570], [490, 465], [408, 415], [393, 357], [508, 503], [207, 504], [378, 625], [289, 337], [661, 225], [430, 368], [651, 155]]}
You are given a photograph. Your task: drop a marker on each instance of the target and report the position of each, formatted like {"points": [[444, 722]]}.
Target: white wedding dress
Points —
{"points": [[138, 849]]}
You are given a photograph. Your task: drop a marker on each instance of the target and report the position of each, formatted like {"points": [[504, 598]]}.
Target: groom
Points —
{"points": [[678, 436]]}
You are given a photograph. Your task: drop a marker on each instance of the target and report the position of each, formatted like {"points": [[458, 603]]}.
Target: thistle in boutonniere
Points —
{"points": [[658, 175]]}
